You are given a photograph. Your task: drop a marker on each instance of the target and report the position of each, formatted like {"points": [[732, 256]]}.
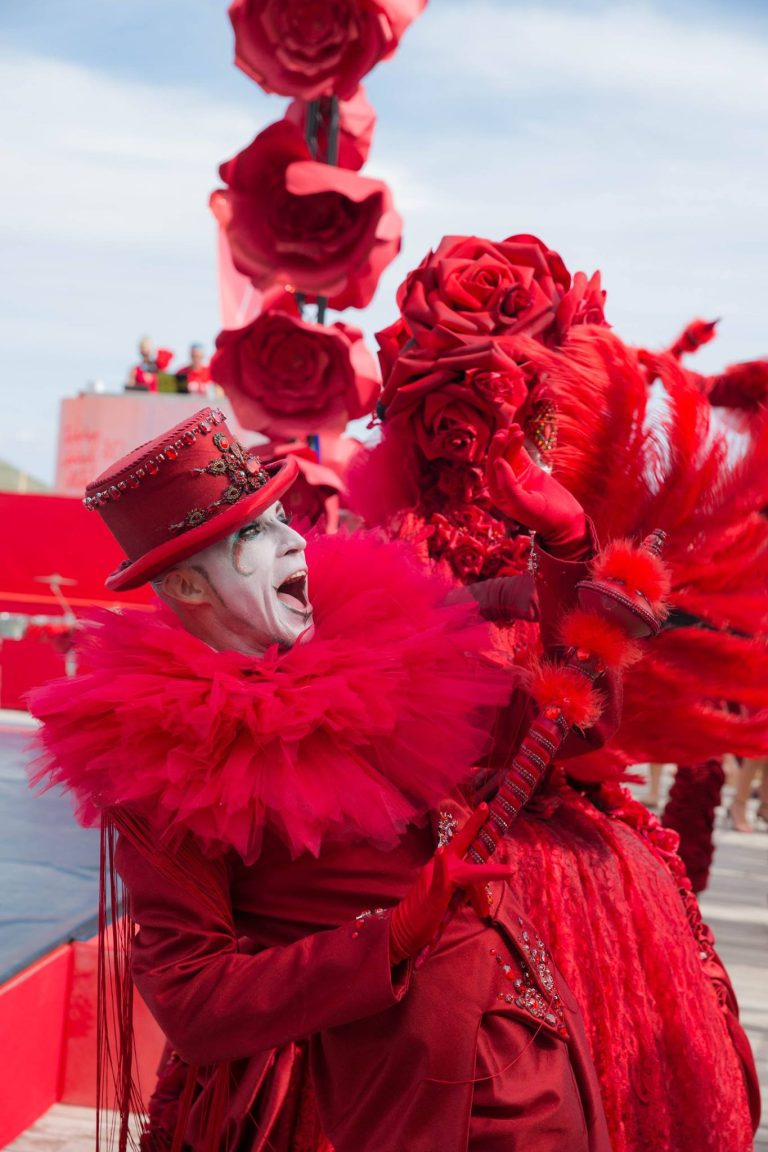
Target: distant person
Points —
{"points": [[142, 377], [195, 376]]}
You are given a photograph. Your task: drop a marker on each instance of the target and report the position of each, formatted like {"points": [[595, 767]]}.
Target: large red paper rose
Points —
{"points": [[292, 220], [312, 48], [287, 377], [471, 286], [392, 341], [357, 119]]}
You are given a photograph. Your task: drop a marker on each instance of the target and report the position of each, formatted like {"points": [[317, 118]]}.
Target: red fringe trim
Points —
{"points": [[690, 811]]}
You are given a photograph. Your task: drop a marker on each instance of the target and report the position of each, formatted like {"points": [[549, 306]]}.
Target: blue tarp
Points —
{"points": [[49, 866]]}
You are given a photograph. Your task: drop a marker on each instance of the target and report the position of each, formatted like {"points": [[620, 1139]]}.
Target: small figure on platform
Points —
{"points": [[195, 377], [142, 377]]}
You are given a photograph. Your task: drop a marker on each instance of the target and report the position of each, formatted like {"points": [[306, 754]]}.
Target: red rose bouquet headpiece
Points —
{"points": [[470, 286]]}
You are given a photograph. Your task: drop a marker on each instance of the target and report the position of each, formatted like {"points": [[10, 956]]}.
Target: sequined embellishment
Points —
{"points": [[363, 918], [243, 472], [526, 993], [151, 466], [446, 826], [541, 429]]}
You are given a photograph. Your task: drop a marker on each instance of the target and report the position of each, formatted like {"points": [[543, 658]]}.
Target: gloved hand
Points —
{"points": [[529, 495], [501, 599], [415, 921]]}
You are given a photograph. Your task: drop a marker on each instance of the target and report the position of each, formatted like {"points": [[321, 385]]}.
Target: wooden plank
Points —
{"points": [[63, 1128]]}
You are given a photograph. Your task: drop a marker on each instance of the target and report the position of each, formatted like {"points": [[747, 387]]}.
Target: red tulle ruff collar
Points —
{"points": [[354, 734]]}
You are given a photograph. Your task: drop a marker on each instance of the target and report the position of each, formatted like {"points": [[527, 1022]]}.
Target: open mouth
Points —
{"points": [[293, 593]]}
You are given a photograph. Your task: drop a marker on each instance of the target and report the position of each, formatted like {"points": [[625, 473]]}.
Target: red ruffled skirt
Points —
{"points": [[670, 1077]]}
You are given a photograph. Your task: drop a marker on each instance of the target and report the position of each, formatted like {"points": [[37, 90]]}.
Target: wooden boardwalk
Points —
{"points": [[735, 906]]}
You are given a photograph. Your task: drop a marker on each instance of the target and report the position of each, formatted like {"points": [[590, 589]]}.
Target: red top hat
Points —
{"points": [[177, 494]]}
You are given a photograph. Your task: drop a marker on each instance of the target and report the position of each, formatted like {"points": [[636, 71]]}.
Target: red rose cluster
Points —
{"points": [[299, 217], [459, 364]]}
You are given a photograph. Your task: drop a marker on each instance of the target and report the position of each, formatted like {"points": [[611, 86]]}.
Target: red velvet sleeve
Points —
{"points": [[213, 999]]}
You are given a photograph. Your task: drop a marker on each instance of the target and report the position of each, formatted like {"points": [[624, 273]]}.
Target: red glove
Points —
{"points": [[529, 495], [416, 919], [501, 599]]}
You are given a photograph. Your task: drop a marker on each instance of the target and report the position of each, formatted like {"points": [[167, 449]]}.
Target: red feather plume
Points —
{"points": [[561, 687], [604, 639], [638, 569]]}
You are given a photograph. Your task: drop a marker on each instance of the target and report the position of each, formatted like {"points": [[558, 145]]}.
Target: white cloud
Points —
{"points": [[99, 159], [629, 140], [629, 48]]}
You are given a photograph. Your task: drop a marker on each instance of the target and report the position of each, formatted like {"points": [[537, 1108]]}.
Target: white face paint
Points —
{"points": [[258, 583]]}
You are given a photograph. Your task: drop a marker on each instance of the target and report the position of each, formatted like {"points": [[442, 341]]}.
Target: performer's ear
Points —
{"points": [[185, 585]]}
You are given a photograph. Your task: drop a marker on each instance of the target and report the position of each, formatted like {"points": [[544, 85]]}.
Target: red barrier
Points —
{"points": [[33, 1007], [48, 1029], [79, 1051], [50, 542]]}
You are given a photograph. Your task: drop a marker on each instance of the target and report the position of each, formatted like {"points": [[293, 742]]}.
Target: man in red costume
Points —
{"points": [[289, 769], [195, 376]]}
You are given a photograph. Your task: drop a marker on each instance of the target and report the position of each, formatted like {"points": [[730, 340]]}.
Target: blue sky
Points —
{"points": [[631, 137]]}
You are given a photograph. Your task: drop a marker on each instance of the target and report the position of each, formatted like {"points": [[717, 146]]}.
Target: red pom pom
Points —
{"points": [[698, 332], [741, 386], [553, 685], [636, 568], [602, 638]]}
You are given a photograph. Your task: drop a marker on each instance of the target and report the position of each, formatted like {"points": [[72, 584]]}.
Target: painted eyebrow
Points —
{"points": [[280, 511]]}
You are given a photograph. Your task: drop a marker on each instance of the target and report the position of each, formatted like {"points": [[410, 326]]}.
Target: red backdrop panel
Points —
{"points": [[47, 536]]}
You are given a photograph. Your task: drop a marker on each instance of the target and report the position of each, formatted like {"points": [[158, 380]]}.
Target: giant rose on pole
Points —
{"points": [[288, 377], [292, 220], [313, 48], [357, 120]]}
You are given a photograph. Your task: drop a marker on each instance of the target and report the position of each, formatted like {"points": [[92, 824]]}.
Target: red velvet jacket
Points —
{"points": [[393, 1054], [289, 954]]}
